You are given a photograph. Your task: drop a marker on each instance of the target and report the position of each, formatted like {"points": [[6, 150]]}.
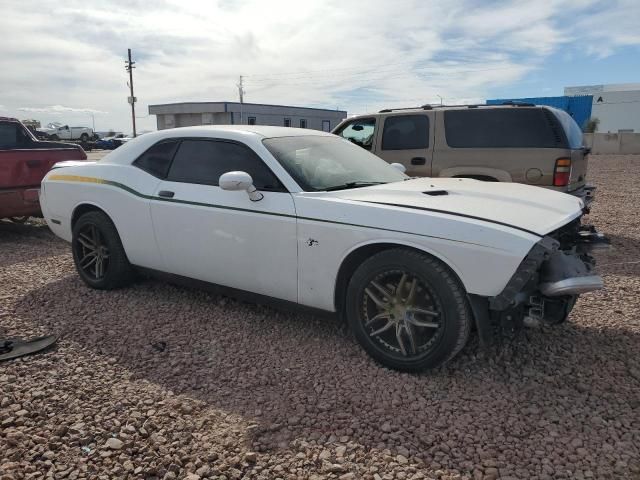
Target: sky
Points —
{"points": [[64, 61]]}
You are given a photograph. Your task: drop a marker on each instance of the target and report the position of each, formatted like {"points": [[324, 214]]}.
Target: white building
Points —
{"points": [[234, 113], [617, 106]]}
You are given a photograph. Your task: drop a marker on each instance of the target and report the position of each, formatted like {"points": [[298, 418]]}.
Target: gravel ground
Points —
{"points": [[158, 381]]}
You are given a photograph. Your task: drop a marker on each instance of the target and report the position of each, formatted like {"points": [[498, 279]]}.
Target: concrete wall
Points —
{"points": [[191, 119], [617, 111], [613, 143]]}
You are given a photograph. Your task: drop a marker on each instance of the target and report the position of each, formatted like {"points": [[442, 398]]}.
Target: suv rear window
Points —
{"points": [[405, 132], [503, 128]]}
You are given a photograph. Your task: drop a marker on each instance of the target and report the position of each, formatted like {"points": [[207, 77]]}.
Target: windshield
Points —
{"points": [[319, 163], [571, 128]]}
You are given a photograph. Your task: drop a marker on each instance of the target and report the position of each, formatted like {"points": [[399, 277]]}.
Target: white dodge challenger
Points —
{"points": [[307, 218]]}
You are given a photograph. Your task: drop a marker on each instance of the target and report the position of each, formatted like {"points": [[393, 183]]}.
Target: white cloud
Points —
{"points": [[357, 56], [58, 109]]}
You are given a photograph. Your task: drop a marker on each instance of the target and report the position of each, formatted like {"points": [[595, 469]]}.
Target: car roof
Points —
{"points": [[9, 119], [135, 147], [261, 130]]}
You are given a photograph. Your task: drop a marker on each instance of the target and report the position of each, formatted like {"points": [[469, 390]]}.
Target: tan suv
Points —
{"points": [[523, 143]]}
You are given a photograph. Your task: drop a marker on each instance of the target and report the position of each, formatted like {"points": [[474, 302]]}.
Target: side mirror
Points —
{"points": [[234, 181], [399, 166]]}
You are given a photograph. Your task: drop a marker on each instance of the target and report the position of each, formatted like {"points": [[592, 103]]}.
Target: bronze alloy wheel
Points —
{"points": [[92, 252], [401, 313], [407, 309], [98, 253]]}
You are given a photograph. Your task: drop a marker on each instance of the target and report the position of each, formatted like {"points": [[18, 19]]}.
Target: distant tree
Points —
{"points": [[111, 133], [592, 125]]}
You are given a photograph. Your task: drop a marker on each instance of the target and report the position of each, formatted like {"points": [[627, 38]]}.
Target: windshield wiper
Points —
{"points": [[347, 185]]}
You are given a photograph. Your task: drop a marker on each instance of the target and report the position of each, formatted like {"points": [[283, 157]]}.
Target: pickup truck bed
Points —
{"points": [[24, 161]]}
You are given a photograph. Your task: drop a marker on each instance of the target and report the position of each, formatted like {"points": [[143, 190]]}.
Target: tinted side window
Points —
{"points": [[502, 128], [12, 136], [571, 128], [203, 161], [157, 159], [360, 132], [405, 132]]}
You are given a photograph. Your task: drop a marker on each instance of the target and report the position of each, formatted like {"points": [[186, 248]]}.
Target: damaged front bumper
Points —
{"points": [[547, 283]]}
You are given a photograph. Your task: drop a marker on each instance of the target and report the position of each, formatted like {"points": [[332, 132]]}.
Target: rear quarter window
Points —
{"points": [[157, 159], [571, 128], [503, 128]]}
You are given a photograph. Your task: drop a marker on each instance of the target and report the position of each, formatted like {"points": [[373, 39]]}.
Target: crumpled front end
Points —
{"points": [[547, 283]]}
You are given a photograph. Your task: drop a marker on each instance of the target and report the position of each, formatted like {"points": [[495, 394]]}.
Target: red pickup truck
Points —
{"points": [[24, 161]]}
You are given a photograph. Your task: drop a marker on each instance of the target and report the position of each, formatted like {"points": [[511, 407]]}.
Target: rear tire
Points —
{"points": [[98, 254], [408, 310], [84, 137]]}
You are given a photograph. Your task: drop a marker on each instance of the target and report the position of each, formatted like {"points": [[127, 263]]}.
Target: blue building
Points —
{"points": [[579, 107]]}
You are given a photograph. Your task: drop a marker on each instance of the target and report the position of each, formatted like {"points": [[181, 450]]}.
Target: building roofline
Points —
{"points": [[250, 104]]}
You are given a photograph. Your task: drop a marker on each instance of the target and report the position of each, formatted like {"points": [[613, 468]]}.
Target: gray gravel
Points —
{"points": [[163, 382]]}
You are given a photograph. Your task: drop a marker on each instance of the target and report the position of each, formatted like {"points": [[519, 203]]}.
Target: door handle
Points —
{"points": [[33, 163], [418, 161], [166, 194]]}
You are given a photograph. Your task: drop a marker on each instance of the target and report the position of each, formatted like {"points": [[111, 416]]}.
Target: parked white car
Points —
{"points": [[56, 131], [308, 218]]}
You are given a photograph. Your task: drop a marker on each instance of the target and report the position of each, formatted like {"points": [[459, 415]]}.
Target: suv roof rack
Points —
{"points": [[422, 107], [518, 104], [475, 105]]}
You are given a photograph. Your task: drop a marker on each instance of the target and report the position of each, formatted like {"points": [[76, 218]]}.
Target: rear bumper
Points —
{"points": [[20, 203]]}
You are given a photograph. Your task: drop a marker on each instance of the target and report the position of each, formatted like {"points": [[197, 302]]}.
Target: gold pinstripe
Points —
{"points": [[76, 178]]}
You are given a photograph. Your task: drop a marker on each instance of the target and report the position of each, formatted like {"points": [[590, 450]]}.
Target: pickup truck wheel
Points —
{"points": [[408, 310], [98, 254], [54, 137], [84, 137]]}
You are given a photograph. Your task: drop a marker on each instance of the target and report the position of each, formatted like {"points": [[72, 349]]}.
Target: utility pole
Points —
{"points": [[129, 66], [241, 94]]}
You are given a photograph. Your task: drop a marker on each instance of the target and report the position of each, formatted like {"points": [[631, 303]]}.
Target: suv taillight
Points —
{"points": [[562, 172]]}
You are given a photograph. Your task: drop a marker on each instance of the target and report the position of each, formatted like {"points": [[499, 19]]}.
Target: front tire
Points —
{"points": [[98, 254], [408, 310]]}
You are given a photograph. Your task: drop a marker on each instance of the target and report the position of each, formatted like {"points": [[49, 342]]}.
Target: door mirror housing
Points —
{"points": [[399, 166], [235, 181]]}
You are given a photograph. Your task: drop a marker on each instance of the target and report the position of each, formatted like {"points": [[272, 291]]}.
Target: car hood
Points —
{"points": [[524, 207]]}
